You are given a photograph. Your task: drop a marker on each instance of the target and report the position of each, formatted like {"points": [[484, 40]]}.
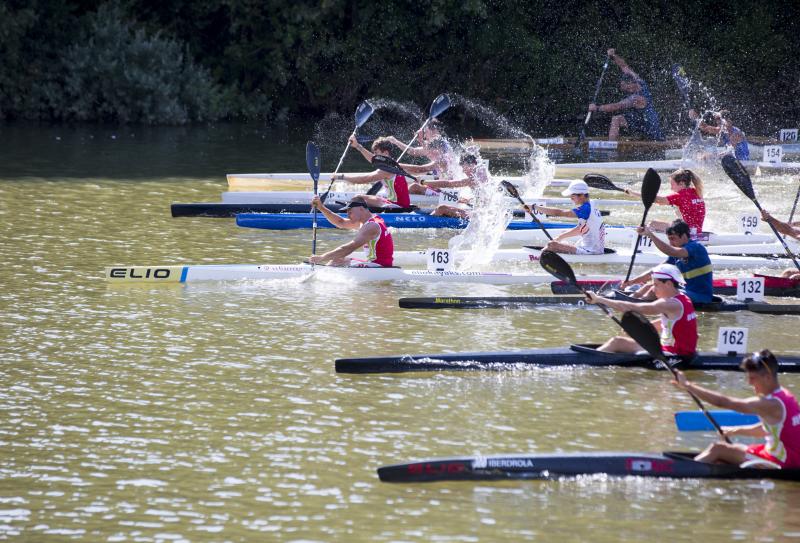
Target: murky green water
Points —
{"points": [[212, 412]]}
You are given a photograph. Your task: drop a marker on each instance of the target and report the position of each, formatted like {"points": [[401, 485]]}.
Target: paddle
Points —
{"points": [[555, 265], [642, 332], [582, 135], [363, 112], [512, 191], [741, 178], [600, 181], [650, 186], [313, 165], [390, 165], [794, 206], [684, 85], [438, 106]]}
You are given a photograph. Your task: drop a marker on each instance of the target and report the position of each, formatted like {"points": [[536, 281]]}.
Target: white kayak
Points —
{"points": [[622, 256], [301, 181], [626, 236], [303, 197], [239, 272]]}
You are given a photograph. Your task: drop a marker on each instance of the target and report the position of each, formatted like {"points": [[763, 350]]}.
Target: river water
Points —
{"points": [[212, 412]]}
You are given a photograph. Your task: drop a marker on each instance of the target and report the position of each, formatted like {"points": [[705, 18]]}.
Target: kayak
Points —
{"points": [[473, 302], [773, 286], [419, 200], [611, 257], [223, 210], [301, 181], [627, 234], [672, 465], [696, 421], [239, 272], [295, 221], [574, 355]]}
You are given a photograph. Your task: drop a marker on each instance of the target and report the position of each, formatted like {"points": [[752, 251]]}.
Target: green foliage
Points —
{"points": [[153, 61]]}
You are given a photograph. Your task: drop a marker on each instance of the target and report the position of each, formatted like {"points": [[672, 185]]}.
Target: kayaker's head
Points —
{"points": [[762, 371], [357, 209], [578, 191], [678, 233], [382, 146], [667, 279], [629, 84], [468, 163], [683, 179]]}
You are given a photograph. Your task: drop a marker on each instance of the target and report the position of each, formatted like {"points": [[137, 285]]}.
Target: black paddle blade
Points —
{"points": [[650, 186], [313, 162], [556, 266], [738, 175], [600, 181], [390, 165], [440, 104], [511, 189], [643, 332], [363, 112]]}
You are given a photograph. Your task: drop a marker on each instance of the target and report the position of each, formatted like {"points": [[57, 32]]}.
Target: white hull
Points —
{"points": [[626, 236], [623, 256], [303, 197], [239, 272]]}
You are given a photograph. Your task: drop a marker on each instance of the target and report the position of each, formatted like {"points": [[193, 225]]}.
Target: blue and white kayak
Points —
{"points": [[295, 221]]}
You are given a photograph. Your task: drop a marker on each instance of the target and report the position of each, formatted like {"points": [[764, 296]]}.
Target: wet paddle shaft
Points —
{"points": [[650, 186], [438, 106], [582, 135], [313, 165], [363, 112]]}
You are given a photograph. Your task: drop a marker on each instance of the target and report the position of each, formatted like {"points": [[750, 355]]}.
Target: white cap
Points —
{"points": [[668, 271], [576, 187]]}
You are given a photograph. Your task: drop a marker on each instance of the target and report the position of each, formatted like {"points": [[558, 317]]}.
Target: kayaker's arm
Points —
{"points": [[554, 211], [669, 307], [418, 168], [366, 153], [769, 409], [782, 227], [362, 178], [411, 151], [663, 246], [661, 200], [643, 278], [453, 183], [333, 218], [571, 233], [751, 430]]}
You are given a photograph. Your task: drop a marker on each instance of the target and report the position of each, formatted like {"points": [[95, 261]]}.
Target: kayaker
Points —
{"points": [[433, 146], [687, 197], [775, 406], [689, 256], [396, 186], [720, 125], [634, 112], [678, 320], [475, 174], [787, 230], [372, 234], [590, 227]]}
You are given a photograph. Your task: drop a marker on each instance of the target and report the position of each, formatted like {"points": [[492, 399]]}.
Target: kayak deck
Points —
{"points": [[673, 465], [575, 355]]}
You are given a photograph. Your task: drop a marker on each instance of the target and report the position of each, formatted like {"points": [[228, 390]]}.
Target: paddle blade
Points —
{"points": [[682, 82], [390, 165], [600, 181], [650, 186], [738, 175], [643, 332], [510, 189], [556, 266], [313, 162], [440, 104], [363, 112]]}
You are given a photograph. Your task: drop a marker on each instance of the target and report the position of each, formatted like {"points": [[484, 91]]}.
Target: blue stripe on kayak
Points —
{"points": [[184, 273], [696, 421]]}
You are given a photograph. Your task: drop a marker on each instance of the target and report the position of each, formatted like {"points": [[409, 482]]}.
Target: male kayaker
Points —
{"points": [[719, 124], [476, 176], [372, 234], [590, 227], [775, 406], [787, 230], [634, 112], [396, 185], [433, 146], [690, 257], [678, 322]]}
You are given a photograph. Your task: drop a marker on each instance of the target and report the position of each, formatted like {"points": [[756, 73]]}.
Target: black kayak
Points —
{"points": [[487, 302], [222, 209], [673, 465], [574, 355]]}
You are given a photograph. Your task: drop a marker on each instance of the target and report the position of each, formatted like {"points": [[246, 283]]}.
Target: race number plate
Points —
{"points": [[773, 153], [788, 135], [449, 197], [439, 260], [732, 340], [748, 223], [750, 288]]}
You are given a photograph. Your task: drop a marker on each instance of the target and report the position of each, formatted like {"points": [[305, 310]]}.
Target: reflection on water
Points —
{"points": [[211, 412]]}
